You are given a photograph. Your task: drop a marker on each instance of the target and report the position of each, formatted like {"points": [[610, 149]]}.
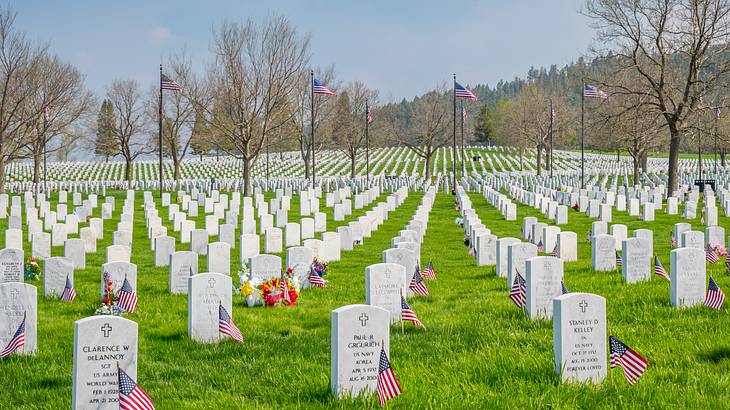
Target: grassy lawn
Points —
{"points": [[479, 351]]}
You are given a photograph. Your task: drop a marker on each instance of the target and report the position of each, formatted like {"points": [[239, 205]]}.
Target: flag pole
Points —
{"points": [[453, 161], [45, 163], [311, 77], [717, 121], [551, 138], [159, 118], [582, 135], [367, 143], [463, 161]]}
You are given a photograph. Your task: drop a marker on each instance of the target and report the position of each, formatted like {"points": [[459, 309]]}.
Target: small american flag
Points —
{"points": [[388, 386], [623, 356], [540, 247], [127, 297], [619, 260], [226, 325], [131, 396], [16, 342], [588, 237], [674, 241], [702, 220], [592, 91], [408, 314], [564, 289], [69, 293], [554, 252], [316, 280], [370, 116], [710, 254], [167, 83], [518, 292], [659, 269], [417, 285], [715, 296], [319, 88], [462, 92], [429, 272], [285, 290]]}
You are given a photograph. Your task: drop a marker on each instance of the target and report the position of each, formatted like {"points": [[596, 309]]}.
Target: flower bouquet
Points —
{"points": [[109, 300], [720, 250], [32, 270], [320, 267], [273, 292]]}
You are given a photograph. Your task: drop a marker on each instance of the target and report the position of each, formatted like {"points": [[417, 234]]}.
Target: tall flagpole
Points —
{"points": [[159, 117], [551, 139], [367, 143], [582, 134], [717, 121], [45, 164], [463, 161], [311, 77], [453, 161]]}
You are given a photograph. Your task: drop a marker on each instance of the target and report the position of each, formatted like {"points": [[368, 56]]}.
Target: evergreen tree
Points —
{"points": [[484, 128], [105, 143], [200, 139]]}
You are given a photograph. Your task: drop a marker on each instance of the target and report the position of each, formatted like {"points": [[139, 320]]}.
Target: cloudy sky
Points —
{"points": [[402, 48]]}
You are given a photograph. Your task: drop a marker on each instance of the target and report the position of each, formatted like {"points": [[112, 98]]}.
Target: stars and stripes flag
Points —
{"points": [[463, 114], [631, 362], [319, 88], [316, 280], [461, 92], [702, 220], [47, 113], [167, 83], [370, 116], [388, 386], [285, 290], [710, 254], [417, 285], [674, 241], [659, 269], [540, 247], [407, 314], [564, 289], [591, 91], [619, 260], [518, 292], [131, 396], [69, 293], [429, 272], [554, 252], [226, 325], [127, 297], [17, 341], [715, 296]]}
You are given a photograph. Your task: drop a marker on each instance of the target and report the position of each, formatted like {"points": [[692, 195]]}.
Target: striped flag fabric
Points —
{"points": [[462, 92], [518, 292], [226, 325], [47, 113], [715, 296], [69, 293], [131, 396], [710, 254], [370, 116], [619, 260], [429, 272], [16, 342], [388, 386], [463, 114], [631, 362], [417, 285], [285, 290], [319, 88], [407, 314], [717, 113], [674, 241], [591, 91], [564, 289], [554, 252], [167, 83], [316, 280], [127, 298], [659, 269], [540, 247]]}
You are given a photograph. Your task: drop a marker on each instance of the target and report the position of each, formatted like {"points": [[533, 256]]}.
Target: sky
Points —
{"points": [[400, 47]]}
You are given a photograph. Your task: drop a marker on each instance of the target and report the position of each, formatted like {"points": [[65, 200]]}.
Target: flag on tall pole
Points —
{"points": [[388, 386], [461, 92], [69, 293], [131, 395], [319, 88], [591, 91], [167, 83], [715, 296], [463, 114], [631, 362], [16, 342]]}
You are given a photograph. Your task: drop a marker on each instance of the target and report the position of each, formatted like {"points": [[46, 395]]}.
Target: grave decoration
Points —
{"points": [[109, 300], [32, 270], [282, 291]]}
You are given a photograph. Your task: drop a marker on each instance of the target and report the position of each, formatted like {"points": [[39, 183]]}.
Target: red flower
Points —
{"points": [[293, 296], [106, 300]]}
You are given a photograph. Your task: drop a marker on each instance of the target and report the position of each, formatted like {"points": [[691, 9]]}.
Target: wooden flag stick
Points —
{"points": [[402, 326]]}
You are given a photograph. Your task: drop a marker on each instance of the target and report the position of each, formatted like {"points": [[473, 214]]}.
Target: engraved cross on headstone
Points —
{"points": [[583, 305], [106, 329], [364, 319], [211, 282], [388, 273], [14, 294]]}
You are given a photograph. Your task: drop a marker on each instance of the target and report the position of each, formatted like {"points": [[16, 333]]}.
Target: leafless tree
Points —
{"points": [[252, 80], [678, 49], [131, 127], [349, 126]]}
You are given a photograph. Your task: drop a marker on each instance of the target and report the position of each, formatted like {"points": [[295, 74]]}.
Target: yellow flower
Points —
{"points": [[247, 289]]}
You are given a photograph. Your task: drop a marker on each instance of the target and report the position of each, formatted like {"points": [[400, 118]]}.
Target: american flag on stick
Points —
{"points": [[127, 297], [564, 289], [417, 285], [710, 254], [631, 362], [619, 260], [715, 296], [16, 342], [659, 269], [226, 325], [429, 272], [69, 293], [131, 396], [388, 386], [370, 115], [316, 280], [540, 247], [518, 292], [407, 314], [554, 252]]}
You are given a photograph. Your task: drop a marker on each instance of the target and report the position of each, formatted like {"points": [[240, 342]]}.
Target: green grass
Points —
{"points": [[479, 350]]}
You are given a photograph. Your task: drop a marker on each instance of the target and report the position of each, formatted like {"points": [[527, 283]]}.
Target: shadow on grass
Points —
{"points": [[717, 355]]}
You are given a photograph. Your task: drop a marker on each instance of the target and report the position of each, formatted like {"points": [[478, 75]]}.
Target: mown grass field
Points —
{"points": [[479, 351]]}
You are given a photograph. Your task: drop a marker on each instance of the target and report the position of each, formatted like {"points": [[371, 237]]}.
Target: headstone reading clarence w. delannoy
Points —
{"points": [[579, 337], [357, 334], [100, 344]]}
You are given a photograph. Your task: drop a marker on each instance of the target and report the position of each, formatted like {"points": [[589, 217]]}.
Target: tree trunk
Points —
{"points": [[2, 173], [539, 158], [246, 177], [428, 165], [352, 166], [644, 160], [177, 168], [722, 157], [674, 141], [128, 169], [37, 158], [306, 166], [637, 166]]}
